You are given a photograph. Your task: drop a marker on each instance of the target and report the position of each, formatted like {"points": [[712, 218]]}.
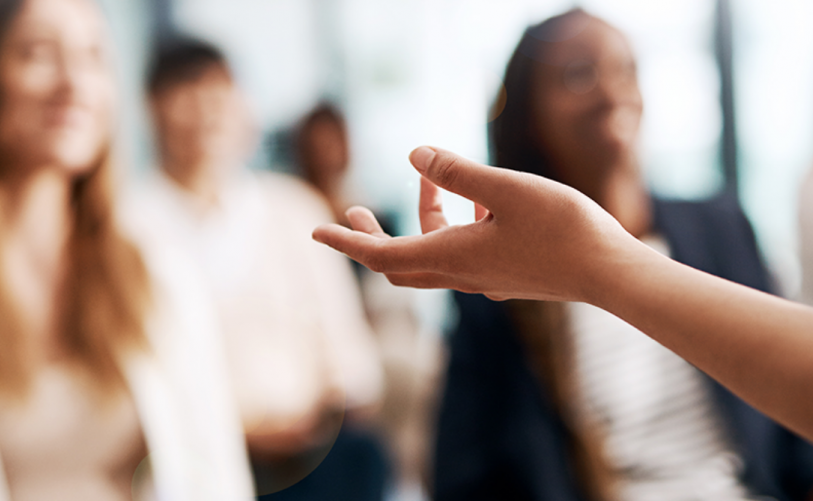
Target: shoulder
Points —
{"points": [[720, 207], [145, 189], [715, 236], [719, 218], [292, 193], [148, 204]]}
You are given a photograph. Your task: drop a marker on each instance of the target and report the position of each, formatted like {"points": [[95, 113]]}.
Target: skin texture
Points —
{"points": [[537, 239], [489, 256]]}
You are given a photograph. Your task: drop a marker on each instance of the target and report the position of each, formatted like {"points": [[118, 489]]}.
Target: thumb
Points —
{"points": [[487, 186]]}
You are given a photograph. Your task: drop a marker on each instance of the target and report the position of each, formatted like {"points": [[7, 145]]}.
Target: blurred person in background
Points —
{"points": [[412, 353], [301, 354], [323, 155], [563, 401], [106, 353]]}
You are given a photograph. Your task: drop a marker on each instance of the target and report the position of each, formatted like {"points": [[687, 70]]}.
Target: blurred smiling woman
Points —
{"points": [[106, 353]]}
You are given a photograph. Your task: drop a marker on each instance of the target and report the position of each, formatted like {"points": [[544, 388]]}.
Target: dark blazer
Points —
{"points": [[499, 437]]}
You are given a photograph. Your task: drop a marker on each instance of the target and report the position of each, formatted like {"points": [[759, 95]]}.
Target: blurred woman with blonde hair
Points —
{"points": [[108, 357]]}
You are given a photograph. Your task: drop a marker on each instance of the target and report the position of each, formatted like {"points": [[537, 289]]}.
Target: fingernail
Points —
{"points": [[422, 158], [317, 235]]}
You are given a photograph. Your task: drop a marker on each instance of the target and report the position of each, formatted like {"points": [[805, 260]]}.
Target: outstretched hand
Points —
{"points": [[533, 238], [537, 239]]}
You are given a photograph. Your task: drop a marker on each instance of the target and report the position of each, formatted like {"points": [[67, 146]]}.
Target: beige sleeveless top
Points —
{"points": [[66, 442]]}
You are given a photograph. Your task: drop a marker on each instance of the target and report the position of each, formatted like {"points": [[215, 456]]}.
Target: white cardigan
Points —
{"points": [[182, 395]]}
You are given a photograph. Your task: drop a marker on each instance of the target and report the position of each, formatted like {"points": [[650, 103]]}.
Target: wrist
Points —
{"points": [[610, 279]]}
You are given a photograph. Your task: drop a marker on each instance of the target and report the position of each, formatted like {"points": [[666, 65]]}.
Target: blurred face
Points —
{"points": [[588, 105], [327, 151], [56, 87], [204, 124]]}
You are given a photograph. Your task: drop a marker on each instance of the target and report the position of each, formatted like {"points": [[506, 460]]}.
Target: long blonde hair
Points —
{"points": [[105, 299], [108, 289], [106, 292]]}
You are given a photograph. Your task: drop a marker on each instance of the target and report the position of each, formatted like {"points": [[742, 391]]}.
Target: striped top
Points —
{"points": [[663, 432]]}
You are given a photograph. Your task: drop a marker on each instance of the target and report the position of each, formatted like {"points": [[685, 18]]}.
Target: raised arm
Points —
{"points": [[541, 240]]}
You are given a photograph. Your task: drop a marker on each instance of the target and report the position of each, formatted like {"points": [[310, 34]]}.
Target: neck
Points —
{"points": [[617, 186], [36, 224], [36, 211], [332, 192], [626, 198], [198, 180]]}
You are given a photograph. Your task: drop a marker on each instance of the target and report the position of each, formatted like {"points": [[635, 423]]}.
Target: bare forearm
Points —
{"points": [[759, 346], [543, 241]]}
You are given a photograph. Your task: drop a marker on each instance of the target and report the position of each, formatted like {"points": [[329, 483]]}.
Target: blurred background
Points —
{"points": [[728, 88]]}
